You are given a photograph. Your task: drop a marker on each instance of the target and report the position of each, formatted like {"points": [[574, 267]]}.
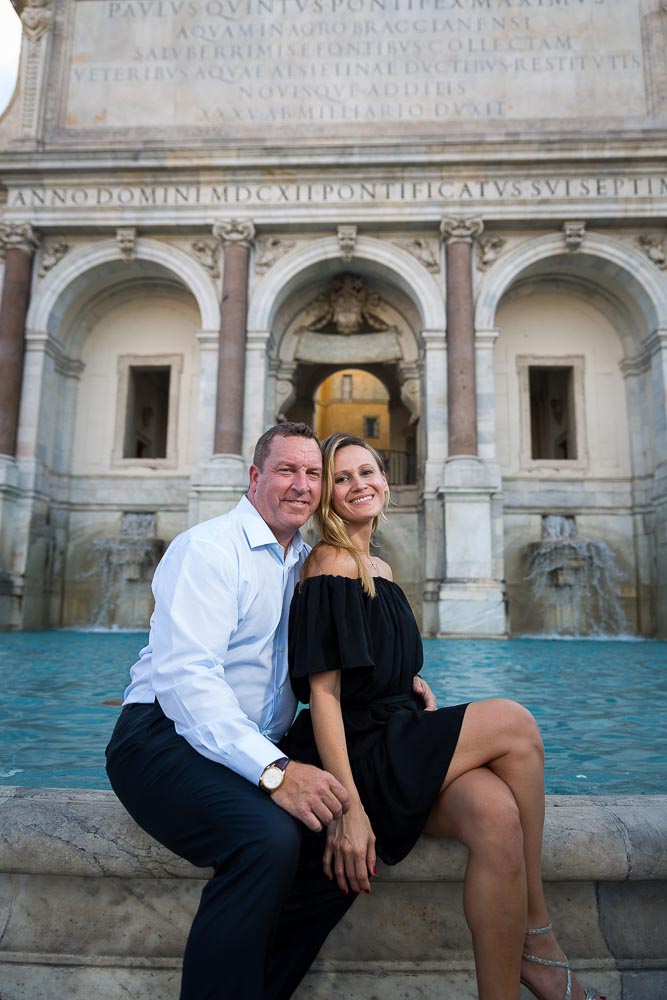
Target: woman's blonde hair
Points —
{"points": [[332, 527]]}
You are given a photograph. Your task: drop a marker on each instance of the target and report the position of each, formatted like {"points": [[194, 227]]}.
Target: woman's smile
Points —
{"points": [[359, 485]]}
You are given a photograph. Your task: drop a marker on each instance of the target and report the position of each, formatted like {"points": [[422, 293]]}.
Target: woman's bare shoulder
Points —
{"points": [[327, 560], [384, 569]]}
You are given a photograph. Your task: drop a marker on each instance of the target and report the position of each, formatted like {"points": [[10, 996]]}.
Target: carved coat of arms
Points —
{"points": [[347, 307]]}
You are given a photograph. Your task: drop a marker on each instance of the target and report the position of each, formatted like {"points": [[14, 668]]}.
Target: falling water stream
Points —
{"points": [[576, 582]]}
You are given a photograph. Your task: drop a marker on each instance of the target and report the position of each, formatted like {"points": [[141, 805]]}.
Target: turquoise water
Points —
{"points": [[601, 706]]}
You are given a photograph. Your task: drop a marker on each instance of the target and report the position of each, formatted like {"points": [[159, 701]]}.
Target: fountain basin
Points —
{"points": [[92, 907]]}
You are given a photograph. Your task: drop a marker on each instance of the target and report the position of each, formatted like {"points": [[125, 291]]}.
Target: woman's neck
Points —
{"points": [[360, 536]]}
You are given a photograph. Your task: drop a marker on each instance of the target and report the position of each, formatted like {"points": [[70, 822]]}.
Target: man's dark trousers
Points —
{"points": [[267, 910]]}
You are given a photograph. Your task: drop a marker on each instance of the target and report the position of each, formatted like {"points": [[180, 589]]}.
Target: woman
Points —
{"points": [[474, 772]]}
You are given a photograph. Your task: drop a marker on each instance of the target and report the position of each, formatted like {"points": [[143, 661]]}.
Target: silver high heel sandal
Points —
{"points": [[556, 965]]}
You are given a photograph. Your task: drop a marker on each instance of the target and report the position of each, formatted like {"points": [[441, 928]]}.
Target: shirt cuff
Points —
{"points": [[251, 755]]}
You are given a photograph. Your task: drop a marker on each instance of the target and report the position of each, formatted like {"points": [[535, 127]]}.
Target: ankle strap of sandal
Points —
{"points": [[539, 930]]}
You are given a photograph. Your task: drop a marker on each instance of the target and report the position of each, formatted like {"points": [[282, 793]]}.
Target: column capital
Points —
{"points": [[460, 229], [18, 236], [237, 232]]}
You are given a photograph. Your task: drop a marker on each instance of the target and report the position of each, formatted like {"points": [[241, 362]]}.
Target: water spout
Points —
{"points": [[574, 583], [123, 572]]}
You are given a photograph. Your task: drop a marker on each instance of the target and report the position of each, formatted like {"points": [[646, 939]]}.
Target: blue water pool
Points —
{"points": [[602, 706]]}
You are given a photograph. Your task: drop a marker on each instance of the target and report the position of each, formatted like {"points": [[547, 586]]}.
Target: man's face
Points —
{"points": [[287, 491]]}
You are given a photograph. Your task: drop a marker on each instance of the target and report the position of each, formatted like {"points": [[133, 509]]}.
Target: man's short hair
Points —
{"points": [[286, 429]]}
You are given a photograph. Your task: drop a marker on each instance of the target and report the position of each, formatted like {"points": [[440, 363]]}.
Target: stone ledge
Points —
{"points": [[91, 906], [80, 832]]}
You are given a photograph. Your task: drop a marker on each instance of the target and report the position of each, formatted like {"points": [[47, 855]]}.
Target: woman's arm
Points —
{"points": [[350, 841]]}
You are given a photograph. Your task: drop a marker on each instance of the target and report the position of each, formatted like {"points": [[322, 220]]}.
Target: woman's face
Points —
{"points": [[359, 486]]}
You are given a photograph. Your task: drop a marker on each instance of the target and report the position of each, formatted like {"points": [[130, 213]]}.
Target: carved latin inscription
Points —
{"points": [[317, 67]]}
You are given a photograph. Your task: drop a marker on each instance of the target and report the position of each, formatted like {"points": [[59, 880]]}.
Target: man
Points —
{"points": [[193, 756]]}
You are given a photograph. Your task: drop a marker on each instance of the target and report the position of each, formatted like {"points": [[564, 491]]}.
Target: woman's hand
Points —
{"points": [[421, 688], [351, 847]]}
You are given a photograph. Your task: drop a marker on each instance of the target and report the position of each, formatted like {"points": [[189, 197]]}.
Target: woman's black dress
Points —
{"points": [[399, 753]]}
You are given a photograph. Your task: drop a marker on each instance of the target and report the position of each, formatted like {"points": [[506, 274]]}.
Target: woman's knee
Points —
{"points": [[489, 825], [523, 728]]}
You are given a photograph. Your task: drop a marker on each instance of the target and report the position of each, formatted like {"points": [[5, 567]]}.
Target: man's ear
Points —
{"points": [[253, 475]]}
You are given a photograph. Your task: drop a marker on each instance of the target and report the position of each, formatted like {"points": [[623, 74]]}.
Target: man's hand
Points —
{"points": [[311, 795], [421, 688]]}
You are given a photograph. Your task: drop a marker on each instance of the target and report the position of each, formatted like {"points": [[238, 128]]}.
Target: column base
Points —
{"points": [[468, 609], [216, 487]]}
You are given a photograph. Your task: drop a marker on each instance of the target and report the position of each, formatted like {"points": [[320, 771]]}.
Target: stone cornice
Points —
{"points": [[351, 197], [64, 364]]}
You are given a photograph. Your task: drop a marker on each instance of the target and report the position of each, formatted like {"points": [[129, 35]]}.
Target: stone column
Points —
{"points": [[19, 244], [471, 598], [459, 235], [236, 238]]}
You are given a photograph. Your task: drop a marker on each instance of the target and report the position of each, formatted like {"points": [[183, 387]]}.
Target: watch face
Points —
{"points": [[272, 778]]}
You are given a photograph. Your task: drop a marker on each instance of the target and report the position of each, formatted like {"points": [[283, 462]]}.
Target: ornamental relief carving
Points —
{"points": [[51, 254], [347, 239], [425, 251], [488, 251], [269, 250], [654, 249], [574, 231], [410, 390], [36, 17], [126, 242], [208, 255], [346, 307]]}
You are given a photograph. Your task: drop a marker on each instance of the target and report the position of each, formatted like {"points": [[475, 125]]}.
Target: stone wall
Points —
{"points": [[92, 907]]}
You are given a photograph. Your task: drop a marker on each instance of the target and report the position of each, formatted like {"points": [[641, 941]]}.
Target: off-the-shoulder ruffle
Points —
{"points": [[328, 630]]}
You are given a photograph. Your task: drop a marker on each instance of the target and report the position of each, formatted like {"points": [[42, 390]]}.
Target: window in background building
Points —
{"points": [[147, 412], [346, 387], [552, 419], [147, 409], [371, 427]]}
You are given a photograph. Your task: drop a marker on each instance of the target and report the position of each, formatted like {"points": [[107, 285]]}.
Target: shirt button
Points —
{"points": [[280, 649]]}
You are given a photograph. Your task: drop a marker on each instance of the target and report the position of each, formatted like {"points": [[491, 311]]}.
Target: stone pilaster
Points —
{"points": [[19, 243], [657, 350], [459, 235], [37, 20], [236, 239]]}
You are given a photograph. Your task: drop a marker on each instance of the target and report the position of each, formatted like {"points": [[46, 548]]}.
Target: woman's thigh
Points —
{"points": [[491, 730]]}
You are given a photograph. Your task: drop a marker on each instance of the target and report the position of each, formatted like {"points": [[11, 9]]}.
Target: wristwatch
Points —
{"points": [[273, 775]]}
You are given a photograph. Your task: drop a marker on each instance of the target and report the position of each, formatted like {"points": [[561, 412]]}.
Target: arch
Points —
{"points": [[70, 276], [383, 258], [614, 266]]}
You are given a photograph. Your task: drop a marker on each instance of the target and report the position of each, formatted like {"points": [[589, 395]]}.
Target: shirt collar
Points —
{"points": [[258, 532]]}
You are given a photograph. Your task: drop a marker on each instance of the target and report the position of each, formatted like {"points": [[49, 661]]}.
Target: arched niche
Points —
{"points": [[300, 356], [592, 315], [623, 280], [89, 272], [71, 302]]}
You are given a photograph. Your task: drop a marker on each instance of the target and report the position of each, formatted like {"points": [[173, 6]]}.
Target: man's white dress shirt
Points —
{"points": [[216, 658]]}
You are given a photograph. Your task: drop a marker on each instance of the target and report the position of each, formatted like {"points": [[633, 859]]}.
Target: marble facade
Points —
{"points": [[181, 180]]}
